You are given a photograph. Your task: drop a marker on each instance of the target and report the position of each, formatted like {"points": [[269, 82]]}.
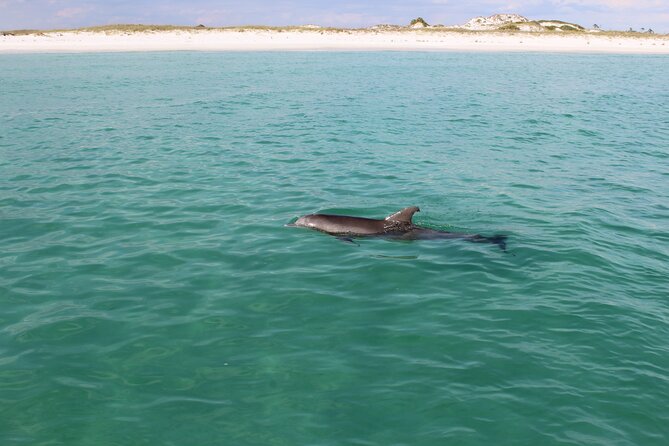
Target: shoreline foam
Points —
{"points": [[241, 39]]}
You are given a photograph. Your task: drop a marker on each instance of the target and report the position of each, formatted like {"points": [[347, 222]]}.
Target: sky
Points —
{"points": [[51, 14]]}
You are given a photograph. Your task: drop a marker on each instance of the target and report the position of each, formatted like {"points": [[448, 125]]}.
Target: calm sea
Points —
{"points": [[151, 295]]}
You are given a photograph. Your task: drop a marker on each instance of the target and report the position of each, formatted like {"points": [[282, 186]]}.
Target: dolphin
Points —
{"points": [[396, 226]]}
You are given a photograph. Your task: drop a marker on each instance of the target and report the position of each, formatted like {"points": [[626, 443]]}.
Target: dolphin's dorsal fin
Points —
{"points": [[403, 216]]}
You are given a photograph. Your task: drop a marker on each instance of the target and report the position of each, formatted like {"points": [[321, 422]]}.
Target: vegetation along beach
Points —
{"points": [[352, 233]]}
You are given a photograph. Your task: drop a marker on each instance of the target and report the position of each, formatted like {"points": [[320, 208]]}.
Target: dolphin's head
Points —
{"points": [[304, 221]]}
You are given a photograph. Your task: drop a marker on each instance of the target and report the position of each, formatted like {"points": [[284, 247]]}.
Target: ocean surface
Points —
{"points": [[151, 295]]}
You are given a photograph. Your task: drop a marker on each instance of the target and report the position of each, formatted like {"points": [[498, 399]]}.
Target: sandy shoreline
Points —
{"points": [[324, 40]]}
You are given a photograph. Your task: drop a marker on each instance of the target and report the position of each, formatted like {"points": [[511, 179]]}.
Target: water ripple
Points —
{"points": [[152, 294]]}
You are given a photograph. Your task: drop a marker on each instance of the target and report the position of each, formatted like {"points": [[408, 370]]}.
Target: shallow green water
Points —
{"points": [[151, 294]]}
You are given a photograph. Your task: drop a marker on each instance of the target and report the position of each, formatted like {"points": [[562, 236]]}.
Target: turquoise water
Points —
{"points": [[151, 294]]}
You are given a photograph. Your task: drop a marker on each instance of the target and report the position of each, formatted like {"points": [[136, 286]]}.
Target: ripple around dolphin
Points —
{"points": [[152, 295]]}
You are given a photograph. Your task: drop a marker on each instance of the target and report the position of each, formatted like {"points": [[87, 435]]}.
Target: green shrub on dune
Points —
{"points": [[419, 21]]}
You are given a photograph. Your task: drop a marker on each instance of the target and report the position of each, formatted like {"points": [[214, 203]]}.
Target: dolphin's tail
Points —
{"points": [[499, 240]]}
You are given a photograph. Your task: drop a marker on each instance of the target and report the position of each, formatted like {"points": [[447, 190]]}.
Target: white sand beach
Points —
{"points": [[240, 39]]}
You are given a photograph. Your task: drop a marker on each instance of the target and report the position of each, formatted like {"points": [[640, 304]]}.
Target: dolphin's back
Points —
{"points": [[341, 224]]}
